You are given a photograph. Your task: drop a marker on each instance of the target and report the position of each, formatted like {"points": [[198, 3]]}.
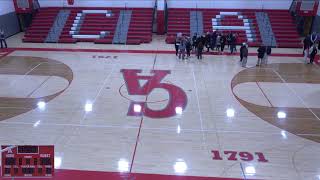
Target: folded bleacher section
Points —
{"points": [[278, 25], [41, 25], [98, 25], [284, 29]]}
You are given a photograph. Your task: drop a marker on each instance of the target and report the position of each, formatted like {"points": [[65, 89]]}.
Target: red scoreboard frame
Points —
{"points": [[27, 161]]}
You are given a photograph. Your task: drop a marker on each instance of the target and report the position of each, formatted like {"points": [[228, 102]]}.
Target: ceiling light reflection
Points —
{"points": [[180, 166], [281, 115], [57, 162], [137, 108], [179, 110], [41, 105], [88, 107], [284, 134], [250, 170], [36, 124], [230, 112], [178, 129], [123, 165]]}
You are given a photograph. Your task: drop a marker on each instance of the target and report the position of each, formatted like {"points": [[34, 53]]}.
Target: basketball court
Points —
{"points": [[151, 113], [105, 109]]}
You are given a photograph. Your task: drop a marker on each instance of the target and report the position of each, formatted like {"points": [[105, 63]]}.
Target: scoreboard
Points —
{"points": [[27, 161]]}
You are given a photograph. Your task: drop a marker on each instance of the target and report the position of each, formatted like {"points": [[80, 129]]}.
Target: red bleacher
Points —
{"points": [[41, 25], [140, 29], [281, 21], [284, 29]]}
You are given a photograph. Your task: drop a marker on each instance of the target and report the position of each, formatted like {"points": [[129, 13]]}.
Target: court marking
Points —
{"points": [[296, 94], [264, 94], [141, 121]]}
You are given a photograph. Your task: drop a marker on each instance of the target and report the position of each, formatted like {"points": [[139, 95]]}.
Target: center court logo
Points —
{"points": [[176, 103]]}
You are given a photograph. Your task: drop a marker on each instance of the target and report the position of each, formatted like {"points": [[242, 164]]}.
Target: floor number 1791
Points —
{"points": [[235, 156]]}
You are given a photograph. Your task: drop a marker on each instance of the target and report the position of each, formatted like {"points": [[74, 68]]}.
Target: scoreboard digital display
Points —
{"points": [[27, 161], [28, 149]]}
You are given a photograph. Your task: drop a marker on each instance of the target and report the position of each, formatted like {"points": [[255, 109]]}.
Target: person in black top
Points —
{"points": [[3, 39], [313, 53], [213, 40], [306, 43], [194, 40], [313, 38], [200, 46], [244, 52], [207, 41], [188, 46], [229, 36], [177, 42], [241, 51], [223, 40], [261, 51], [266, 55], [233, 43]]}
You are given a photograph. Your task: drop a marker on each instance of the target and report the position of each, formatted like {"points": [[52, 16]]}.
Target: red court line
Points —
{"points": [[5, 52], [140, 51], [141, 122], [136, 145], [264, 94]]}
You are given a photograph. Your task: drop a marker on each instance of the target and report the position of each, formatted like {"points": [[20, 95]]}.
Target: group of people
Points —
{"points": [[211, 41], [311, 45], [216, 41], [3, 39]]}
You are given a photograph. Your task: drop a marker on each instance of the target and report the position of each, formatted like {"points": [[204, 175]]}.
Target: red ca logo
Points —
{"points": [[177, 97]]}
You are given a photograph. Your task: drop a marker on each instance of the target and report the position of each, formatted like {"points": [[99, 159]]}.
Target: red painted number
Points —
{"points": [[261, 157], [232, 155], [216, 155], [243, 156], [246, 156]]}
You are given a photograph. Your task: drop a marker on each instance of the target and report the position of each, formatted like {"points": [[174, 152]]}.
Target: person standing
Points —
{"points": [[177, 42], [313, 53], [228, 39], [261, 51], [266, 55], [223, 40], [244, 52], [241, 55], [3, 39], [218, 43], [233, 44], [213, 40], [188, 46], [313, 38], [194, 41], [306, 44], [200, 46], [182, 48], [207, 41]]}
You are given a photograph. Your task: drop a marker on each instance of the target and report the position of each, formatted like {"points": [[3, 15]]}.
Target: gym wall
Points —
{"points": [[8, 18], [316, 22]]}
